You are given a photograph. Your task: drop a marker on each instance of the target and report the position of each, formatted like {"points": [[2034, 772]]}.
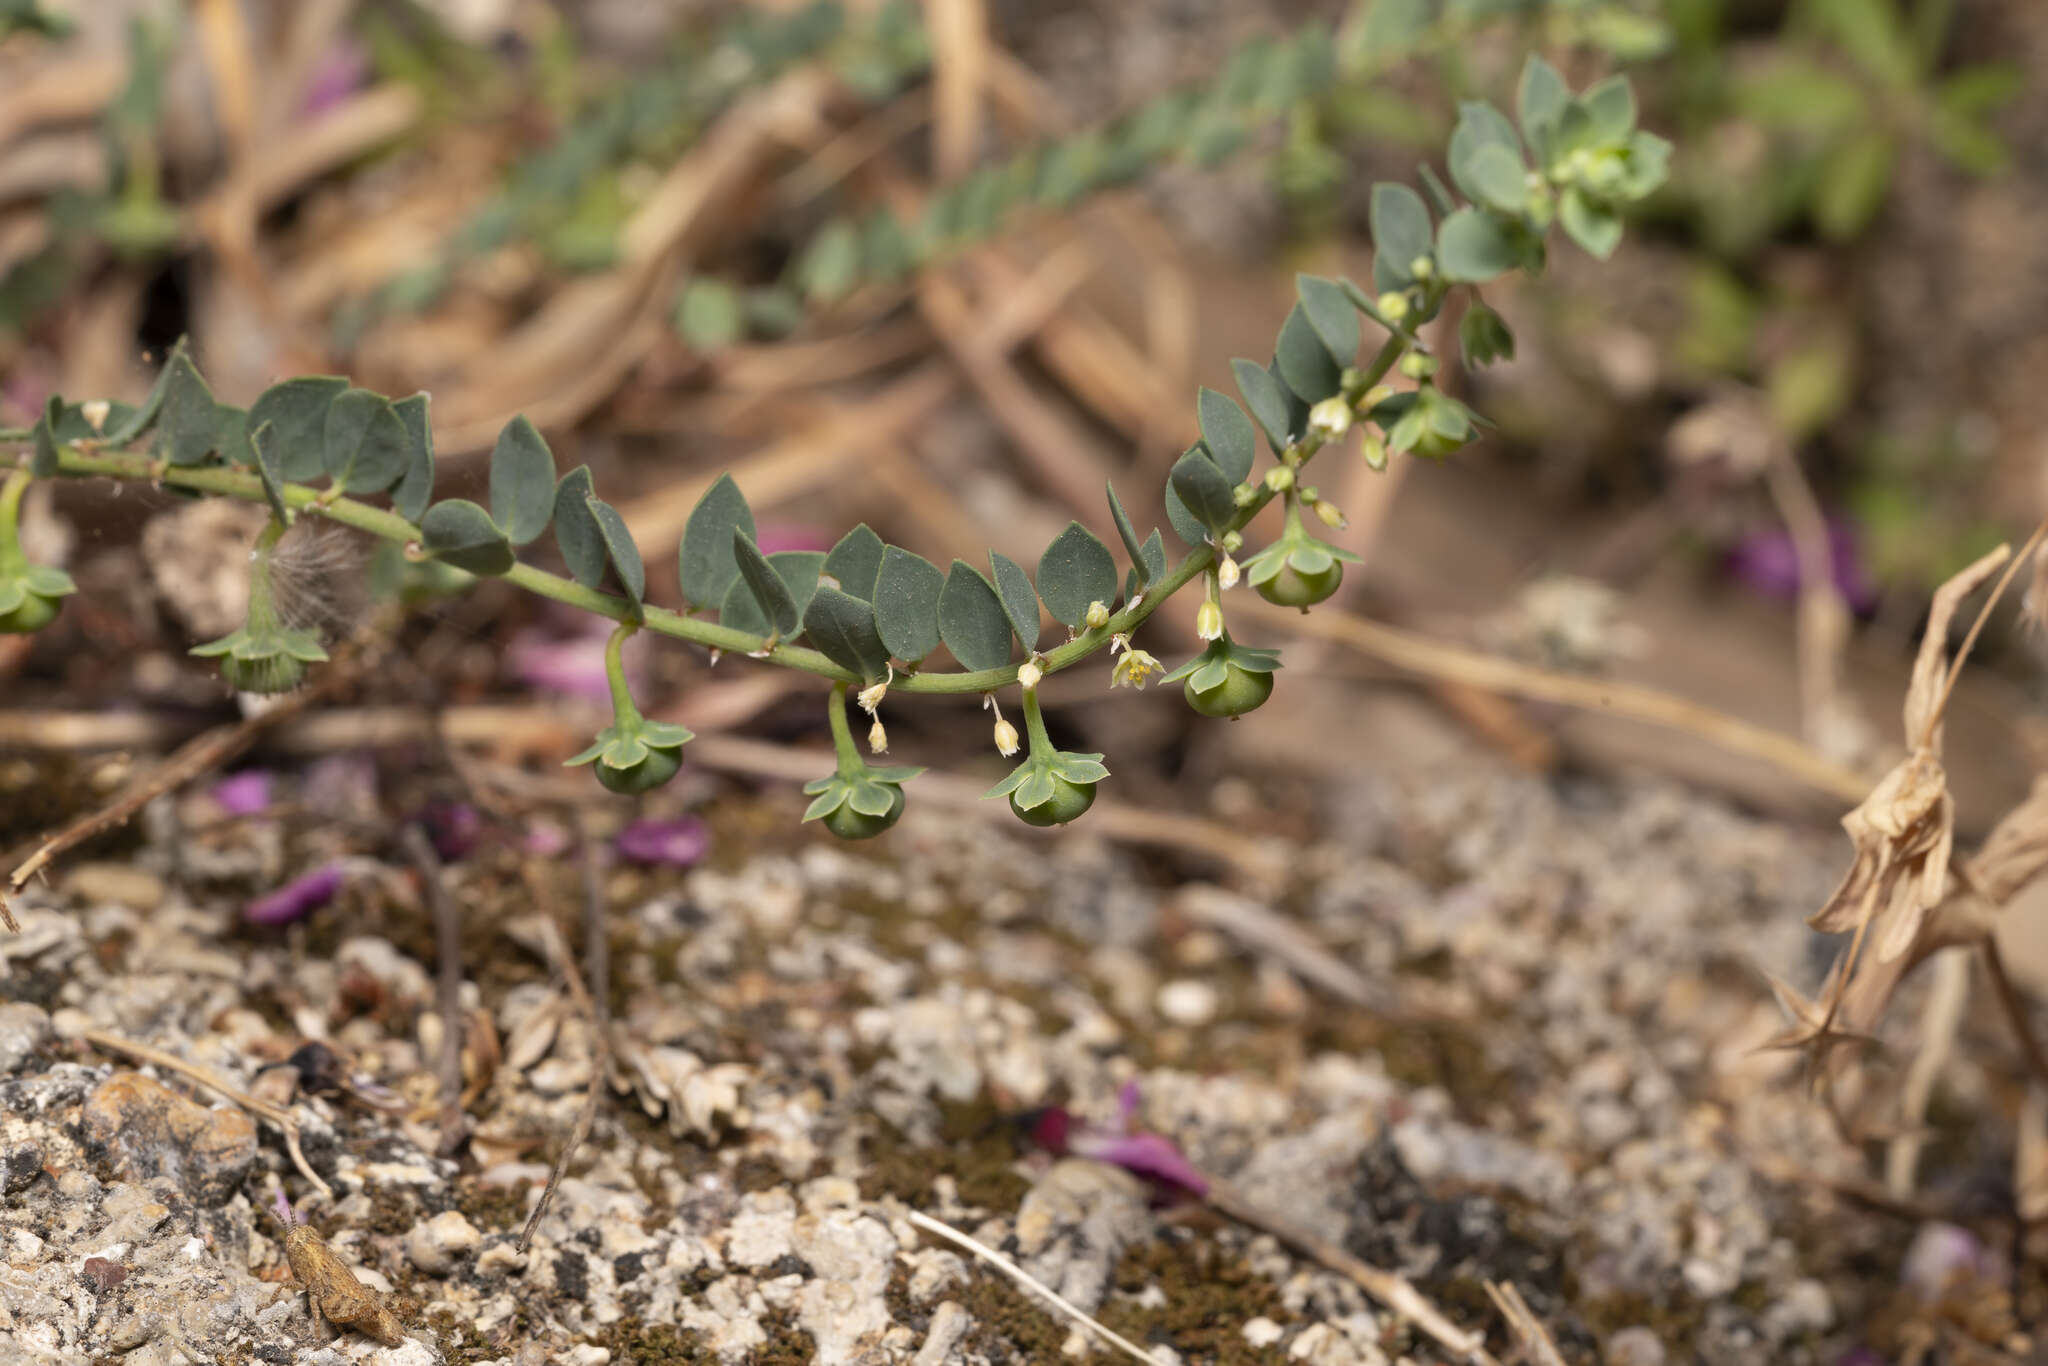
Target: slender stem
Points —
{"points": [[11, 493], [262, 610], [232, 482], [623, 708], [1034, 726], [851, 765]]}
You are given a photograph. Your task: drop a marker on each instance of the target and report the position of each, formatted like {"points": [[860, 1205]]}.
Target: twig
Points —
{"points": [[212, 1080], [200, 755], [1528, 1330], [1391, 1290], [1030, 1282], [2015, 1008], [447, 982], [1823, 616], [1434, 659], [592, 1000]]}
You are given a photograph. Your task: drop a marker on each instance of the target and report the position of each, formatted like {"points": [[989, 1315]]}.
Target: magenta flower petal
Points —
{"points": [[545, 839], [245, 793], [297, 898], [1939, 1255], [679, 843], [1768, 563], [339, 73], [1151, 1156], [454, 827]]}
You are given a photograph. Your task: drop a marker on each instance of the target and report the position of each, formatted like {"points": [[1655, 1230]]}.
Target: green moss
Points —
{"points": [[1009, 1325], [634, 1343], [492, 1207], [977, 1148], [1210, 1296]]}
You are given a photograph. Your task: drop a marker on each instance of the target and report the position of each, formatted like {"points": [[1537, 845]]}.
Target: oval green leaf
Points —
{"points": [[522, 482], [458, 532], [1020, 599], [1228, 433], [842, 628], [364, 445], [704, 561], [1077, 569], [188, 424], [907, 604], [576, 529], [856, 562], [1205, 492], [1305, 363], [770, 593], [416, 486], [1331, 314], [971, 619]]}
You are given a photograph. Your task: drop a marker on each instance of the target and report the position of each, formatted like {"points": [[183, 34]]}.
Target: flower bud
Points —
{"points": [[1226, 573], [1330, 418], [1209, 620], [1098, 615], [1245, 494], [1373, 447], [878, 739], [1416, 365], [1028, 674], [95, 413], [1006, 738], [1280, 478], [1232, 542], [1332, 516], [1393, 305]]}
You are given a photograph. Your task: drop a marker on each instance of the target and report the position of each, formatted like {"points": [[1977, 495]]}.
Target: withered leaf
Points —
{"points": [[335, 1292]]}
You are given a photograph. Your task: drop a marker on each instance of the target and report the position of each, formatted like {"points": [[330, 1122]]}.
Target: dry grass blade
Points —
{"points": [[1534, 1338], [1433, 659], [447, 982], [960, 48], [272, 1114], [1031, 1283]]}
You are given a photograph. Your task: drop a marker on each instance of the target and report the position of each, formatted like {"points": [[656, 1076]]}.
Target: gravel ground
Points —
{"points": [[1553, 1080]]}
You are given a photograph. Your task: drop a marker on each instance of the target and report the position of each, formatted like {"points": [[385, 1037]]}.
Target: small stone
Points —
{"points": [[19, 1168], [1188, 1002], [1804, 1308], [103, 1275], [138, 1129], [950, 1323], [435, 1245], [1635, 1347], [132, 1331], [586, 1354], [115, 884], [1263, 1332], [1074, 1224], [24, 1031]]}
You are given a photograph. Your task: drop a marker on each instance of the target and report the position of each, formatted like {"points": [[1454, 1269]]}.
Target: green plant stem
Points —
{"points": [[1034, 726], [261, 611], [851, 765], [623, 708], [10, 520], [231, 482]]}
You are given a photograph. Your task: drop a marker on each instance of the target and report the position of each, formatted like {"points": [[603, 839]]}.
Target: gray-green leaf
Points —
{"points": [[842, 628], [188, 424], [364, 444], [1401, 232], [1228, 434], [1267, 399], [771, 594], [576, 529], [1305, 364], [1128, 534], [1205, 491], [907, 604], [971, 619], [522, 481], [270, 468], [297, 411], [1020, 599], [1331, 314], [1474, 247], [618, 543], [856, 561], [416, 487], [458, 532], [704, 561], [1077, 569]]}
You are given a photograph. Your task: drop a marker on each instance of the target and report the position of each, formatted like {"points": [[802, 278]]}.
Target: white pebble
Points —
{"points": [[1188, 1002]]}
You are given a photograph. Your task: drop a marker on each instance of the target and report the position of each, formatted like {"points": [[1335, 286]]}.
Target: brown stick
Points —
{"points": [[593, 1001], [447, 983], [2015, 1008]]}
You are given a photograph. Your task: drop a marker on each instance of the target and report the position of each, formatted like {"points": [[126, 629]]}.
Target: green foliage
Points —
{"points": [[871, 614]]}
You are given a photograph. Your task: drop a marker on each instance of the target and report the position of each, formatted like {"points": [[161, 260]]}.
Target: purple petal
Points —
{"points": [[297, 898], [1939, 1255], [1151, 1156], [338, 74], [454, 827], [282, 1208], [680, 842], [1768, 562], [245, 793], [1128, 1098], [545, 839]]}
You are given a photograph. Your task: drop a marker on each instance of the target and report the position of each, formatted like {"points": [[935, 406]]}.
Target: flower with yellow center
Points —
{"points": [[1133, 669]]}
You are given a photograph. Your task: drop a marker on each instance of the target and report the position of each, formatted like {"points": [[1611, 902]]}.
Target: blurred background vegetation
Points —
{"points": [[946, 267]]}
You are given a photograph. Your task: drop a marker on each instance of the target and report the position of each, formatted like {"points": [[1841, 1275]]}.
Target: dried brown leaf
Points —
{"points": [[2016, 851], [333, 1289]]}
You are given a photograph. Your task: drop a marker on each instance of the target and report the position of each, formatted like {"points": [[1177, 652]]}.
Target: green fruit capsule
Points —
{"points": [[1292, 588], [34, 613], [850, 824], [1068, 802], [1241, 690], [651, 772]]}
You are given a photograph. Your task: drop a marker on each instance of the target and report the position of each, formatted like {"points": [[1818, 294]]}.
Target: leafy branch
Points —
{"points": [[870, 615]]}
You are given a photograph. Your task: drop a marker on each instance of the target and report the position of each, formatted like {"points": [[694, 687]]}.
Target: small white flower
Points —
{"points": [[878, 739], [1209, 620], [1134, 670], [871, 697], [1006, 738], [1330, 418], [1226, 573], [1028, 674], [96, 413]]}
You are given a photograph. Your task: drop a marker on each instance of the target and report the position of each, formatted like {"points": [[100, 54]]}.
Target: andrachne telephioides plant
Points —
{"points": [[868, 617]]}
